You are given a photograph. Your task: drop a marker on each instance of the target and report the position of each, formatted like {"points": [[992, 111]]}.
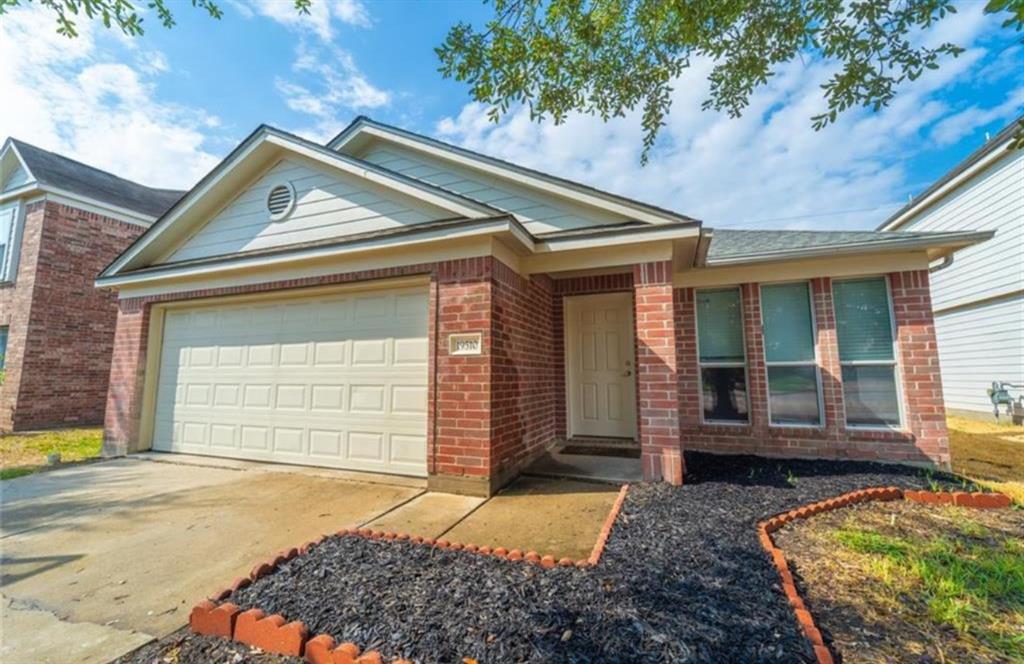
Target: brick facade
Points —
{"points": [[924, 438], [61, 328], [490, 415]]}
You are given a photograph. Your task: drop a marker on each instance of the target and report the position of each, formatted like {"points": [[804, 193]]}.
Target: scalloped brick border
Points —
{"points": [[766, 527], [215, 617]]}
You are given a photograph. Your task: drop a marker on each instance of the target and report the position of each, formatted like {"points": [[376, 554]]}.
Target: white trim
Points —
{"points": [[723, 365], [491, 166], [570, 302], [12, 251], [896, 363], [815, 362], [93, 205], [904, 217]]}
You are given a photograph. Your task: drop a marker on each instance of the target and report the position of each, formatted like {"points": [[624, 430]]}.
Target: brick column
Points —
{"points": [[460, 446], [687, 359], [127, 373], [757, 371], [657, 380], [919, 365], [828, 360]]}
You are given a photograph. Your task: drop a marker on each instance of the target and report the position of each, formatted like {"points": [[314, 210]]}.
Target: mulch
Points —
{"points": [[683, 579]]}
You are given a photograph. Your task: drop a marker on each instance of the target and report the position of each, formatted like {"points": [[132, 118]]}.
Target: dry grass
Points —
{"points": [[24, 454], [899, 582], [991, 454]]}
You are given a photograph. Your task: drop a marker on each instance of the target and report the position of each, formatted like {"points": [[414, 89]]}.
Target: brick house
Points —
{"points": [[61, 223], [395, 304]]}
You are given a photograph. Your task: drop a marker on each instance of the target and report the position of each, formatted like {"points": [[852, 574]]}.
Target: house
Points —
{"points": [[392, 303], [61, 222], [978, 298]]}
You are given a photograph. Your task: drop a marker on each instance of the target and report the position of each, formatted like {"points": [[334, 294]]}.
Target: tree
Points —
{"points": [[607, 57], [121, 14]]}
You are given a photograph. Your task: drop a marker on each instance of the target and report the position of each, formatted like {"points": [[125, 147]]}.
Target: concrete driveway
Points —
{"points": [[100, 558]]}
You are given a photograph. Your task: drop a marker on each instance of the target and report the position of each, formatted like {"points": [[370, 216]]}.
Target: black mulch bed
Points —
{"points": [[683, 579]]}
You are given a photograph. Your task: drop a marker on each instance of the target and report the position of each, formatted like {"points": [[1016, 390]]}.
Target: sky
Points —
{"points": [[164, 108]]}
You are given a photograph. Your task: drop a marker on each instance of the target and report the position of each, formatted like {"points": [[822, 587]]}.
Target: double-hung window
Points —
{"points": [[723, 361], [3, 346], [8, 215], [867, 352], [794, 394]]}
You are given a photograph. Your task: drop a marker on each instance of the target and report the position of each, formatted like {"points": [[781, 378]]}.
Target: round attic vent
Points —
{"points": [[280, 200]]}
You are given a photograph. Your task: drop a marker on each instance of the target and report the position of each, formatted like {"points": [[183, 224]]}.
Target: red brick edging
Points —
{"points": [[767, 527], [216, 617]]}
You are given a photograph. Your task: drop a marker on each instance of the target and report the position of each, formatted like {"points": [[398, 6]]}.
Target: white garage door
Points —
{"points": [[338, 380]]}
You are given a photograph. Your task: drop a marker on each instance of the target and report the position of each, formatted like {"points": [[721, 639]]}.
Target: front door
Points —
{"points": [[599, 365]]}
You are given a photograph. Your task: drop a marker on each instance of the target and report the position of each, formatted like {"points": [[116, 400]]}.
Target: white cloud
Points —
{"points": [[321, 17], [73, 96], [952, 128], [766, 169]]}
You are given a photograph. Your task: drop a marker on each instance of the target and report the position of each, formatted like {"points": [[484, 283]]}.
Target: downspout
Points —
{"points": [[947, 260]]}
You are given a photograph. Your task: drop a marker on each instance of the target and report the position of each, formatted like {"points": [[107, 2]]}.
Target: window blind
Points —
{"points": [[862, 320], [720, 325], [788, 329]]}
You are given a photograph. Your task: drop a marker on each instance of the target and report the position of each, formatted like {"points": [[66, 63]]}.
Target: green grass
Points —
{"points": [[971, 584], [24, 454]]}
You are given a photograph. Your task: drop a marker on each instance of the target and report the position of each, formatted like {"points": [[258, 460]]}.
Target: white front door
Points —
{"points": [[599, 365], [335, 380]]}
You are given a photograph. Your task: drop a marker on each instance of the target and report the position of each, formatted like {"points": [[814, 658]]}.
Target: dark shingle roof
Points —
{"points": [[732, 244], [57, 171]]}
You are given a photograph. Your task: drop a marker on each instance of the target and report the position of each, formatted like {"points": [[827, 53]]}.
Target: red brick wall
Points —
{"points": [[924, 439], [63, 342], [524, 391], [657, 383]]}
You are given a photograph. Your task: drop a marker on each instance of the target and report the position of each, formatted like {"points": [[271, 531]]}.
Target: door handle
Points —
{"points": [[627, 372]]}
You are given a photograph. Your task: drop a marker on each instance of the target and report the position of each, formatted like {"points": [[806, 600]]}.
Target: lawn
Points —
{"points": [[990, 453], [905, 582], [24, 454]]}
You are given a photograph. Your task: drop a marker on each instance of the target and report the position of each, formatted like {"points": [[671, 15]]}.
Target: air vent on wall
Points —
{"points": [[280, 201]]}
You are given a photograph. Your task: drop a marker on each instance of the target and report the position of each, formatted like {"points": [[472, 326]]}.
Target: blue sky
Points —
{"points": [[165, 107]]}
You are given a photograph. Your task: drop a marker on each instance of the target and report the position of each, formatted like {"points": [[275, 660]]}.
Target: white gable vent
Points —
{"points": [[280, 200]]}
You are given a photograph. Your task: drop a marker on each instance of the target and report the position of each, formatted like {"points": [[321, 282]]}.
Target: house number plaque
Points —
{"points": [[465, 344]]}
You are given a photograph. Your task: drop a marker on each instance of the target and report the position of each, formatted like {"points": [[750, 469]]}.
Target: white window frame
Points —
{"points": [[9, 264], [722, 365], [816, 362], [895, 362]]}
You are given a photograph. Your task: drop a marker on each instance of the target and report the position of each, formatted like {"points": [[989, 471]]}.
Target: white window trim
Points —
{"points": [[816, 362], [9, 266], [721, 365], [897, 373]]}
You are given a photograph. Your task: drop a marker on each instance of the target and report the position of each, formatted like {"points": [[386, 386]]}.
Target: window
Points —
{"points": [[794, 396], [3, 347], [723, 368], [8, 256], [866, 351]]}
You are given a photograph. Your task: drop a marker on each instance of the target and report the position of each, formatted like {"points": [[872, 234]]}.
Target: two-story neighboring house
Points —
{"points": [[978, 298], [61, 223]]}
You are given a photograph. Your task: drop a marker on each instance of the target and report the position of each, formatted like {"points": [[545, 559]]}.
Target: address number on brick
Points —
{"points": [[465, 344]]}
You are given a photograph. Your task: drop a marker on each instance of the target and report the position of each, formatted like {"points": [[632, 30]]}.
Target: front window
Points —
{"points": [[794, 395], [723, 361], [3, 348], [8, 217], [867, 352]]}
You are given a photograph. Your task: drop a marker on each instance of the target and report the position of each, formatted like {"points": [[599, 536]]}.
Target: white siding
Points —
{"points": [[16, 179], [539, 212], [328, 205], [991, 200], [979, 345]]}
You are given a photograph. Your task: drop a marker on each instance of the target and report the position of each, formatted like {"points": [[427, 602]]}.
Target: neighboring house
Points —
{"points": [[978, 299], [61, 222], [392, 303]]}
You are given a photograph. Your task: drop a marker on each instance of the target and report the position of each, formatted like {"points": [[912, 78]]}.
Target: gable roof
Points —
{"points": [[265, 135], [57, 171], [998, 143], [630, 207], [729, 247]]}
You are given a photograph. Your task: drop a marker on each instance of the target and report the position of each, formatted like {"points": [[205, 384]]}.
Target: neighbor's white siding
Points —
{"points": [[979, 300], [979, 345], [538, 211], [328, 205]]}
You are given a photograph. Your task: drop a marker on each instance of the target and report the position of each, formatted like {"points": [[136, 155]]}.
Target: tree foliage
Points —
{"points": [[608, 57], [123, 14]]}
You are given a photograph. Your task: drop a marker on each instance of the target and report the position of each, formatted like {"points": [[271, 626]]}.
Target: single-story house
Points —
{"points": [[388, 302], [61, 222], [978, 298]]}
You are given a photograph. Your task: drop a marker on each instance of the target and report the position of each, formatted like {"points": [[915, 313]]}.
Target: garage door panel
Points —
{"points": [[339, 381]]}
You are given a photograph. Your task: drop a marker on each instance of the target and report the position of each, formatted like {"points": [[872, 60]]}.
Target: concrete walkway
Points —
{"points": [[99, 558]]}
